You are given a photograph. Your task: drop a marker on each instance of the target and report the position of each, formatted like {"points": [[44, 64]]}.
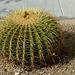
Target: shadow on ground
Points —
{"points": [[8, 1], [68, 51], [4, 10]]}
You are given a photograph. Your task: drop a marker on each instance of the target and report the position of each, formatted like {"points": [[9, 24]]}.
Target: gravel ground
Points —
{"points": [[66, 64]]}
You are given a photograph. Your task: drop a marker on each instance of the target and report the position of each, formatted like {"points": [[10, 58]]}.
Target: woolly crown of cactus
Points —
{"points": [[30, 37]]}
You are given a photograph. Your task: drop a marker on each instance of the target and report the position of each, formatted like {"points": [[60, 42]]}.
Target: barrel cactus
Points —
{"points": [[30, 37]]}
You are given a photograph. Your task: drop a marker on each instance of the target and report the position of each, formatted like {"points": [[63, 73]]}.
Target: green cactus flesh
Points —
{"points": [[30, 37]]}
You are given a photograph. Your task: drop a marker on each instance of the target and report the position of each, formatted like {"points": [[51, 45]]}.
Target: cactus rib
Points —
{"points": [[31, 47], [23, 56], [38, 42]]}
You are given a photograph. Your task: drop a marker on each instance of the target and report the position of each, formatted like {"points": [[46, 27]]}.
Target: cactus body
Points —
{"points": [[30, 37]]}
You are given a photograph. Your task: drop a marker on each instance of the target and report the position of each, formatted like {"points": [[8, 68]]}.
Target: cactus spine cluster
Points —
{"points": [[30, 37]]}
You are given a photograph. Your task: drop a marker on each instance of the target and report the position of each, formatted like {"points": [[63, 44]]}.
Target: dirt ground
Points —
{"points": [[66, 64]]}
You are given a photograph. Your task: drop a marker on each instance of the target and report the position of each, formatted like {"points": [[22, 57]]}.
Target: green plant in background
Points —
{"points": [[30, 37]]}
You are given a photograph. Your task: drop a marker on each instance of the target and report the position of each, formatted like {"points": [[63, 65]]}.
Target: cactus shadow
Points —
{"points": [[68, 51]]}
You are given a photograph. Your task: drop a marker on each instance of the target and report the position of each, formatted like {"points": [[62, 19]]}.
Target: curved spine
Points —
{"points": [[10, 47], [3, 49], [17, 57]]}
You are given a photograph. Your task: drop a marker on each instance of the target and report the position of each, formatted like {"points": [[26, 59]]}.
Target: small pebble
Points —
{"points": [[16, 73], [26, 72], [49, 74]]}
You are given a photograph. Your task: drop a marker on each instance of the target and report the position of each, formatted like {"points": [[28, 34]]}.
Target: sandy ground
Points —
{"points": [[66, 64]]}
